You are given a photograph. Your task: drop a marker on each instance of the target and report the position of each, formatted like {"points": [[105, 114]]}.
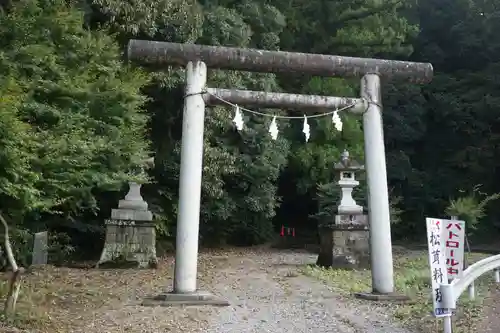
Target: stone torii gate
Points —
{"points": [[196, 59]]}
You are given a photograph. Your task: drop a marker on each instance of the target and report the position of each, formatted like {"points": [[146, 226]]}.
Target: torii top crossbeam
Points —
{"points": [[253, 60]]}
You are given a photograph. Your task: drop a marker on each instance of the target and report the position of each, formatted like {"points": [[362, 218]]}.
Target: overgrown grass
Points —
{"points": [[412, 278], [27, 315], [59, 299]]}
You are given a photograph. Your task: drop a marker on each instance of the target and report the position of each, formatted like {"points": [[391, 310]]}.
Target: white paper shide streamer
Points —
{"points": [[273, 129], [306, 129], [239, 123], [337, 121], [238, 118]]}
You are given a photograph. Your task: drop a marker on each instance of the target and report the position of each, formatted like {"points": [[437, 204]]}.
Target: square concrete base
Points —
{"points": [[392, 297], [173, 299]]}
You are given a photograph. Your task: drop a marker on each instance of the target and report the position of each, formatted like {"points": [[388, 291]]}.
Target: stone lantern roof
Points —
{"points": [[348, 164]]}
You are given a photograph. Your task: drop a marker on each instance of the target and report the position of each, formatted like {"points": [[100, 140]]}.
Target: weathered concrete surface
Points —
{"points": [[130, 233], [345, 244], [253, 60], [283, 101], [40, 248], [128, 244]]}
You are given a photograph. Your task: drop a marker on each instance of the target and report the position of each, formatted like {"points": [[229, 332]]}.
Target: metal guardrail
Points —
{"points": [[450, 292]]}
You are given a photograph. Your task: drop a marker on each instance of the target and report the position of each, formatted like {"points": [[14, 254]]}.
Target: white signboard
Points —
{"points": [[454, 240], [437, 263]]}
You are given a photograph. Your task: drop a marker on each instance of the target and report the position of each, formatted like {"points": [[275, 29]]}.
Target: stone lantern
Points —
{"points": [[130, 232], [347, 169], [344, 243]]}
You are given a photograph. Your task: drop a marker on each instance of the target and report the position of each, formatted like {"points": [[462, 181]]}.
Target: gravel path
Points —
{"points": [[265, 288], [268, 295]]}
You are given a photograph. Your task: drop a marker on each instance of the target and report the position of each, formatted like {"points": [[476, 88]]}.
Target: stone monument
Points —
{"points": [[344, 242], [40, 249], [130, 232]]}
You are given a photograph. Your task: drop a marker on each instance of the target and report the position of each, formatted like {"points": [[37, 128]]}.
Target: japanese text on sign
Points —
{"points": [[437, 262], [454, 236]]}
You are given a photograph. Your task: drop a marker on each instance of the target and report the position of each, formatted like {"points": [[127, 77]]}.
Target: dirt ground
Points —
{"points": [[491, 319], [266, 293]]}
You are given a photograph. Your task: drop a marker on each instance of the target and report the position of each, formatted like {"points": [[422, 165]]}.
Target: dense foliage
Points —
{"points": [[74, 121], [77, 120]]}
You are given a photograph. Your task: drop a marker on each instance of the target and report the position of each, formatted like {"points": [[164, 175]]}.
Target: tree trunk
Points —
{"points": [[15, 280]]}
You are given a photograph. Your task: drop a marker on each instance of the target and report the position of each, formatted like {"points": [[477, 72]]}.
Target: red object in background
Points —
{"points": [[289, 231]]}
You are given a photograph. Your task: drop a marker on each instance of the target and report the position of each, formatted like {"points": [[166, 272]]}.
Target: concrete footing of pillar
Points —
{"points": [[391, 297], [178, 299]]}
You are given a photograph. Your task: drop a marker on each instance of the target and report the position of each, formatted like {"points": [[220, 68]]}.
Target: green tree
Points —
{"points": [[240, 169], [72, 123], [355, 28], [17, 180], [456, 145]]}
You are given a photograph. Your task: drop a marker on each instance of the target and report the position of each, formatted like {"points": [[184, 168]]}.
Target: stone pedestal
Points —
{"points": [[345, 244], [130, 234]]}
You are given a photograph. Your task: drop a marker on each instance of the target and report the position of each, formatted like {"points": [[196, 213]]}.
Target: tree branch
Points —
{"points": [[15, 280]]}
